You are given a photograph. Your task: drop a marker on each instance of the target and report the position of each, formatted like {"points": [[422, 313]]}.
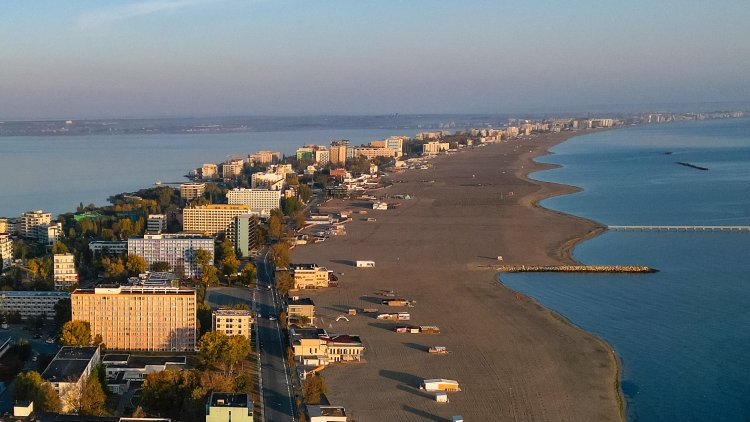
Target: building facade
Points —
{"points": [[156, 223], [231, 169], [245, 234], [264, 158], [297, 309], [30, 222], [309, 276], [190, 191], [176, 249], [232, 322], [268, 180], [31, 303], [6, 250], [64, 269], [229, 407], [68, 372], [107, 247], [212, 219], [434, 147], [370, 153], [260, 201], [209, 171], [145, 318]]}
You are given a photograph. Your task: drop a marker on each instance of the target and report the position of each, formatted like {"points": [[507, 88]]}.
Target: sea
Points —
{"points": [[682, 334], [56, 173]]}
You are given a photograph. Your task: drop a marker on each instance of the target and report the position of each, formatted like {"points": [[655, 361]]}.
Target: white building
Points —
{"points": [[108, 247], [232, 322], [209, 171], [31, 303], [65, 275], [434, 147], [48, 234], [231, 169], [6, 250], [156, 223], [319, 413], [190, 191], [260, 201], [212, 219], [264, 158], [268, 180], [69, 371], [31, 220], [176, 249]]}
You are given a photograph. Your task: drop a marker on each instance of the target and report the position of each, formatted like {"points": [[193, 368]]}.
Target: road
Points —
{"points": [[276, 381]]}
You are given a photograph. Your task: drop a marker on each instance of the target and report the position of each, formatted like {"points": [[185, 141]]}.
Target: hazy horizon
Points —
{"points": [[200, 58]]}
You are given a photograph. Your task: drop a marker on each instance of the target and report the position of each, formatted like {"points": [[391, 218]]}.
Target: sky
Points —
{"points": [[159, 58]]}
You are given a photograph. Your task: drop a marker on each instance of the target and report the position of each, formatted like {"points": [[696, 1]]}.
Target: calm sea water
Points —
{"points": [[683, 334], [56, 173]]}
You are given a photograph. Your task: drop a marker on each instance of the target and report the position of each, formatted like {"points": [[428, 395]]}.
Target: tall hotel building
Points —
{"points": [[145, 318], [212, 219], [260, 201], [177, 249]]}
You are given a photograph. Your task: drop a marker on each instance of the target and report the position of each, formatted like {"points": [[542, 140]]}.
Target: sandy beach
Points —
{"points": [[515, 360]]}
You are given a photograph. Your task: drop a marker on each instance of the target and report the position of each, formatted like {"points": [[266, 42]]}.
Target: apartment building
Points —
{"points": [[64, 271], [434, 147], [30, 222], [297, 309], [156, 223], [229, 407], [231, 169], [209, 171], [394, 143], [370, 152], [68, 373], [190, 191], [245, 234], [337, 154], [108, 247], [176, 249], [11, 225], [31, 303], [309, 276], [264, 158], [267, 180], [213, 218], [147, 318], [48, 234], [232, 322], [260, 201], [6, 250]]}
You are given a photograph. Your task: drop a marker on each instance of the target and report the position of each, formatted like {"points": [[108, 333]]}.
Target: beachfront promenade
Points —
{"points": [[682, 228]]}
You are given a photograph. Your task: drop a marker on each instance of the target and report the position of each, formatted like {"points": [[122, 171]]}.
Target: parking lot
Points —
{"points": [[38, 345]]}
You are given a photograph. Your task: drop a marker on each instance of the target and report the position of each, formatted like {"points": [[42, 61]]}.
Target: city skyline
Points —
{"points": [[158, 58]]}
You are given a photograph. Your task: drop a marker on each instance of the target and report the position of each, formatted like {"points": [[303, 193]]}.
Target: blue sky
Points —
{"points": [[237, 57]]}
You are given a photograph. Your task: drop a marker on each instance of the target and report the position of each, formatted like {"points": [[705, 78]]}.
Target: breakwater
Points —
{"points": [[691, 165], [575, 269]]}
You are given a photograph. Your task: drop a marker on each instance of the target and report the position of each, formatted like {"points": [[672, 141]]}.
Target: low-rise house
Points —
{"points": [[229, 407], [319, 413], [69, 371], [309, 276], [313, 346], [297, 309], [137, 367]]}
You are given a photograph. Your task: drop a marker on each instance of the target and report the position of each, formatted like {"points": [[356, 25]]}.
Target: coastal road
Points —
{"points": [[276, 380]]}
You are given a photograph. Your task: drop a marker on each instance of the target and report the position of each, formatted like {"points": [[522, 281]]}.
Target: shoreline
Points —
{"points": [[551, 370]]}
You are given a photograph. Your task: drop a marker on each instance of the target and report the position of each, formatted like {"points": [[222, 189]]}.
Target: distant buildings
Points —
{"points": [[232, 322], [315, 153], [64, 271], [229, 407], [176, 249], [209, 171], [370, 152], [338, 153], [31, 221], [231, 169], [190, 191], [6, 250], [434, 147], [108, 247], [393, 143], [69, 371], [264, 158], [212, 219], [268, 180], [31, 303], [260, 201], [139, 318]]}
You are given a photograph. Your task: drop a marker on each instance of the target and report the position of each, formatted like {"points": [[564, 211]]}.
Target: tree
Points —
{"points": [[290, 205], [305, 193], [284, 282], [248, 275], [202, 257], [203, 314], [161, 266], [211, 346], [209, 275], [274, 226], [281, 255], [59, 247], [312, 388], [76, 333], [93, 397], [230, 265], [237, 349], [136, 264], [63, 312], [113, 267], [282, 318], [299, 220], [29, 386]]}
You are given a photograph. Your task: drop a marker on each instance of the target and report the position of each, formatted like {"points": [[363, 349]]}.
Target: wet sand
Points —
{"points": [[515, 360]]}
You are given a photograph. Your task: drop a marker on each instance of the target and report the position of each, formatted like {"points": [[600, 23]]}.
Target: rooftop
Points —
{"points": [[344, 338], [309, 333], [69, 364], [301, 301], [110, 289], [318, 411], [232, 312], [139, 361], [21, 293], [230, 400]]}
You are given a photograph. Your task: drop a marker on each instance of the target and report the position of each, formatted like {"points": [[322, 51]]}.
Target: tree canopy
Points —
{"points": [[30, 386], [76, 333]]}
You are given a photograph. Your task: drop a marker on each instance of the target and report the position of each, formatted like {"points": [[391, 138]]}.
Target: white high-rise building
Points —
{"points": [[190, 191], [31, 220], [6, 250], [65, 275], [176, 249], [260, 201], [156, 223]]}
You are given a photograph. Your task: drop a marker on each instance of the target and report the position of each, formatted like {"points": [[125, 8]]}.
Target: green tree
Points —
{"points": [[275, 224], [203, 314], [209, 275], [284, 282], [202, 257], [211, 347], [93, 398], [280, 254], [136, 264], [63, 312], [237, 349], [312, 388], [29, 386], [290, 205], [299, 220], [305, 193], [76, 333], [59, 247], [248, 275], [161, 266], [230, 265]]}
